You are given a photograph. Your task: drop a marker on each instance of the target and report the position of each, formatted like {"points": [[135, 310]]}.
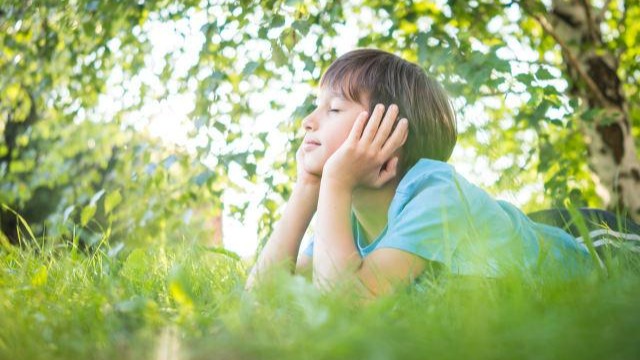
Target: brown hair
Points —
{"points": [[386, 78]]}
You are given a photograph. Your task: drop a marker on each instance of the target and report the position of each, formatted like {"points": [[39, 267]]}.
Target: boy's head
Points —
{"points": [[366, 77]]}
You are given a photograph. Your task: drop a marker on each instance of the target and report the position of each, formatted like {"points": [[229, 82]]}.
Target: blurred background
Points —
{"points": [[141, 122]]}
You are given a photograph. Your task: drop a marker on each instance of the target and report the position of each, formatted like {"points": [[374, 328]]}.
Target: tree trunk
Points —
{"points": [[593, 75]]}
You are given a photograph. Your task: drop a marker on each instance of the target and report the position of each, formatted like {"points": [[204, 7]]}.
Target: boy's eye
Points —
{"points": [[334, 110]]}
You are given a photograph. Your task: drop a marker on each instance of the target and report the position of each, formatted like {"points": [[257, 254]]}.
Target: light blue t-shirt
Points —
{"points": [[438, 215]]}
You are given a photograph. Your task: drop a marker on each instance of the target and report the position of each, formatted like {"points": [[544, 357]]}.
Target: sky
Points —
{"points": [[167, 118]]}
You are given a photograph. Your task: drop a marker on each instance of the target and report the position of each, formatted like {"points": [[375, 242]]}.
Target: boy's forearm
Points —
{"points": [[284, 243], [334, 253]]}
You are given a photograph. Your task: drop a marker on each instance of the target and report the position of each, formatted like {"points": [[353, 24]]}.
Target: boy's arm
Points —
{"points": [[334, 253], [366, 157], [335, 257], [284, 243]]}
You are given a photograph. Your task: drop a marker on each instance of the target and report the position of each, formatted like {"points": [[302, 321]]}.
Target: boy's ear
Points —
{"points": [[391, 165]]}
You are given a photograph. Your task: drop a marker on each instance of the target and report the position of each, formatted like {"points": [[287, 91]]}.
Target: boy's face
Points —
{"points": [[327, 128]]}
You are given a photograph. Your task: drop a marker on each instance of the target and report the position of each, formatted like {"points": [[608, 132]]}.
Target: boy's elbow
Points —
{"points": [[304, 266]]}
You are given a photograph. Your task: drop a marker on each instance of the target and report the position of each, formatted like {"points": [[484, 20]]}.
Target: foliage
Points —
{"points": [[66, 169], [57, 59]]}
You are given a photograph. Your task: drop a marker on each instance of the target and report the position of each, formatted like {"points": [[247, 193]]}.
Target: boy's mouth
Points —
{"points": [[310, 144], [311, 141]]}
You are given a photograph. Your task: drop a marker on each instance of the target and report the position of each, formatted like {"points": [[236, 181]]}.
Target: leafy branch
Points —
{"points": [[548, 28]]}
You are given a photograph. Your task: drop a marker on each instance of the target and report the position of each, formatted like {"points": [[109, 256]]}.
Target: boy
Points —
{"points": [[388, 205]]}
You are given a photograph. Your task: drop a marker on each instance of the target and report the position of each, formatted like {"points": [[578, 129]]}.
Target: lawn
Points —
{"points": [[187, 301]]}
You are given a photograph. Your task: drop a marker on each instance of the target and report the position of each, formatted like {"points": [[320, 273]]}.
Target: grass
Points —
{"points": [[188, 301]]}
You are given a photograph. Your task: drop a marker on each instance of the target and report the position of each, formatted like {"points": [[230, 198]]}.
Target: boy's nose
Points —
{"points": [[309, 122]]}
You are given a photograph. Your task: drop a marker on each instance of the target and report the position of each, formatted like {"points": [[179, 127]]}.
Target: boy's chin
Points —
{"points": [[313, 169]]}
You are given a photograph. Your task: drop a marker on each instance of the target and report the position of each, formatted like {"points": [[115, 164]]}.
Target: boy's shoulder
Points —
{"points": [[426, 173], [436, 184]]}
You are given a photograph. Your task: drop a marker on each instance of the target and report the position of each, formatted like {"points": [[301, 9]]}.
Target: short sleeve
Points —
{"points": [[448, 220], [309, 249], [427, 222]]}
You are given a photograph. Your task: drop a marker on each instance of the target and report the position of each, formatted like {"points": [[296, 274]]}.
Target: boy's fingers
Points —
{"points": [[358, 125], [386, 126], [396, 139], [372, 125]]}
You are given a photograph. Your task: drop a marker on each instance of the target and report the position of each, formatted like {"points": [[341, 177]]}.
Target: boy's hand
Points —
{"points": [[365, 158]]}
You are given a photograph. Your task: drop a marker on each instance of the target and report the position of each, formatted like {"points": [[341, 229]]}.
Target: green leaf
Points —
{"points": [[288, 39], [309, 64], [223, 251], [277, 21], [544, 74], [169, 161], [278, 55], [203, 177], [220, 127], [541, 111], [87, 214], [40, 277], [590, 114], [556, 122], [136, 265], [525, 78], [250, 68], [111, 201], [301, 26], [250, 169]]}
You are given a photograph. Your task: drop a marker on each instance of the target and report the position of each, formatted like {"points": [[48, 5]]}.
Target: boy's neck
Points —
{"points": [[371, 206]]}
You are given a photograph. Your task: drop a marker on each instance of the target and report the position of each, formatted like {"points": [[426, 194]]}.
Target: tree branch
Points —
{"points": [[591, 25], [497, 93], [604, 9], [570, 56]]}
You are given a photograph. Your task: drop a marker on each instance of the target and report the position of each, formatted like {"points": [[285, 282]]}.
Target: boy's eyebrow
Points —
{"points": [[337, 94], [332, 94]]}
